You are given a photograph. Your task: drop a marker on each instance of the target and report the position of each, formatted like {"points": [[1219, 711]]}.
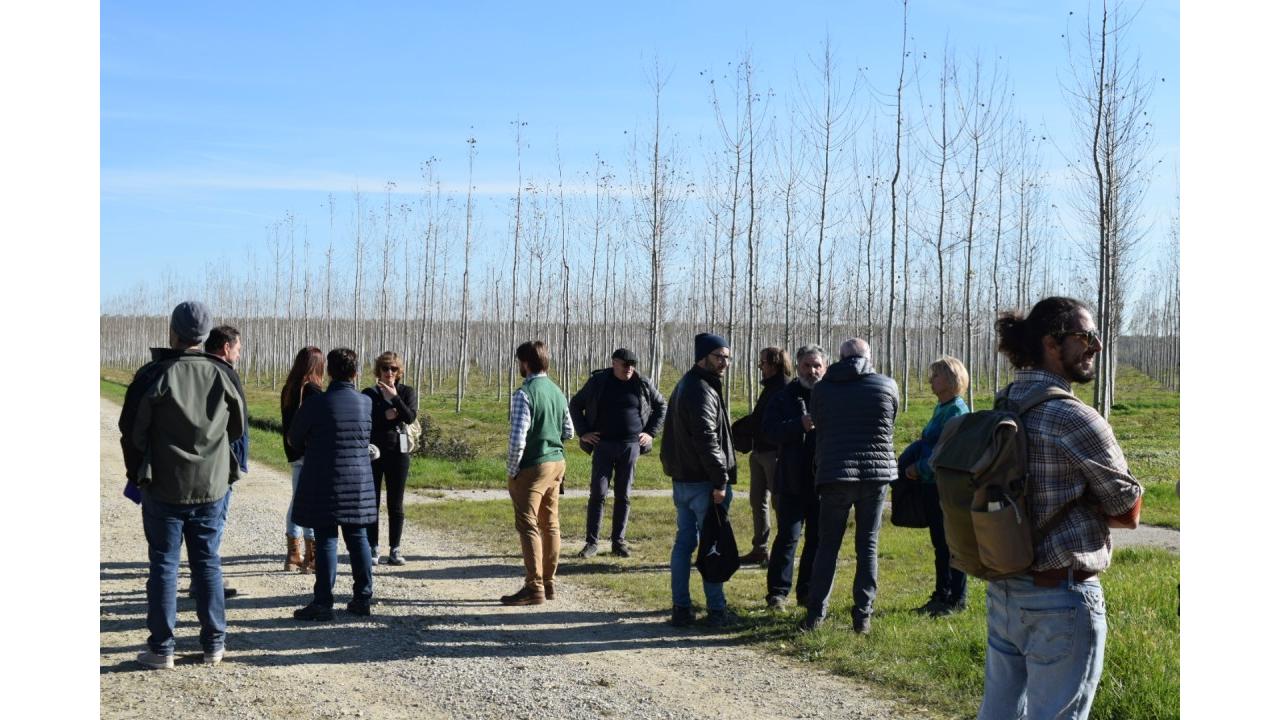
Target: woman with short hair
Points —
{"points": [[395, 408]]}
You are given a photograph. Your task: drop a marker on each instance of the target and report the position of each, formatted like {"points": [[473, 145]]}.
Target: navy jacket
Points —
{"points": [[782, 426], [336, 485], [853, 412]]}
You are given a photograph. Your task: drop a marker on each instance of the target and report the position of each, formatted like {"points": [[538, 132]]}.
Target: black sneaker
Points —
{"points": [[358, 607], [811, 622], [936, 602], [862, 625], [313, 612], [681, 616], [775, 603], [588, 550], [948, 609], [622, 549], [721, 618]]}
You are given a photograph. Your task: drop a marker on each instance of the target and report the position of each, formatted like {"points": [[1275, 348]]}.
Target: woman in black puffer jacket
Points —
{"points": [[395, 408]]}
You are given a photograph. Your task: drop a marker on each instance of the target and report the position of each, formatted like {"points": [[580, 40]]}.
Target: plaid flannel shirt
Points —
{"points": [[521, 419], [1072, 451]]}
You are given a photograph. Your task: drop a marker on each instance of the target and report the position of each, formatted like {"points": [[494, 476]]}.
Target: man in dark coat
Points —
{"points": [[616, 414], [697, 453], [787, 423], [335, 489], [853, 410], [775, 371]]}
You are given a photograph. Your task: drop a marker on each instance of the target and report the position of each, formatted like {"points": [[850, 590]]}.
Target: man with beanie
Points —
{"points": [[181, 413], [853, 411], [616, 414], [535, 471], [697, 453]]}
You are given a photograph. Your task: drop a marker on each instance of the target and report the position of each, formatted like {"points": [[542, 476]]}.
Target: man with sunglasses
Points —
{"points": [[697, 453], [1046, 629]]}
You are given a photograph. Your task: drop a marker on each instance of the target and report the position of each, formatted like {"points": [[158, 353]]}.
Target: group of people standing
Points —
{"points": [[821, 450]]}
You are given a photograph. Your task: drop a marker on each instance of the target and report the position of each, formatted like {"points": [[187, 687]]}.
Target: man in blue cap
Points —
{"points": [[697, 453]]}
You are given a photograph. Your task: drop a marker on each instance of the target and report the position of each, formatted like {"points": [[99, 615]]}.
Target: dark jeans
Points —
{"points": [[327, 563], [166, 527], [949, 583], [393, 466], [795, 513], [617, 460], [866, 500]]}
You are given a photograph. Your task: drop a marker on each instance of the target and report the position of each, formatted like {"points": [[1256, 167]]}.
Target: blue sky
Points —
{"points": [[217, 119]]}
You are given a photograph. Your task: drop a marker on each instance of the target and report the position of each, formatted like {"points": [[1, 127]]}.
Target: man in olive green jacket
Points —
{"points": [[181, 413]]}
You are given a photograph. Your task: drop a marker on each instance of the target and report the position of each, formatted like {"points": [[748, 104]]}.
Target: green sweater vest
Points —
{"points": [[543, 443]]}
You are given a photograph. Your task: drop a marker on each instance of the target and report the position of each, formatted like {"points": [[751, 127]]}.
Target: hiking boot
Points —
{"points": [[776, 603], [720, 618], [758, 556], [937, 601], [358, 607], [309, 558], [622, 549], [811, 622], [313, 612], [548, 590], [524, 596], [293, 555], [588, 550], [155, 661], [681, 616], [862, 625], [948, 608], [396, 558], [214, 657]]}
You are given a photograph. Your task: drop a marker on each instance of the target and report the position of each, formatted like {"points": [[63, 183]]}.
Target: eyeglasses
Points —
{"points": [[1090, 336], [388, 369], [722, 357]]}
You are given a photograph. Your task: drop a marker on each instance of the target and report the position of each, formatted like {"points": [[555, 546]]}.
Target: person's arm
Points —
{"points": [[578, 409], [520, 421], [929, 438], [1091, 446], [406, 404], [657, 410], [781, 421], [566, 429], [705, 435], [302, 421]]}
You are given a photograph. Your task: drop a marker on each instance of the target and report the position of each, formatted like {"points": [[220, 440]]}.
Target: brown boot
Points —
{"points": [[309, 562], [293, 560]]}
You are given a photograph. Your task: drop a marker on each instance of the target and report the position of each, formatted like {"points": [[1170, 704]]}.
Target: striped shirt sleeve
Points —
{"points": [[521, 418]]}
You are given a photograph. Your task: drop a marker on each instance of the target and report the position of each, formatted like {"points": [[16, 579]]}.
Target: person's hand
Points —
{"points": [[591, 438], [912, 473], [717, 496], [388, 391], [391, 413], [646, 439], [806, 421]]}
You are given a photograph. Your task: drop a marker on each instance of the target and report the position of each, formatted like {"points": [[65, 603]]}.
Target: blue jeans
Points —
{"points": [[835, 500], [692, 501], [1044, 649], [796, 514], [327, 563], [166, 527], [613, 459], [290, 529]]}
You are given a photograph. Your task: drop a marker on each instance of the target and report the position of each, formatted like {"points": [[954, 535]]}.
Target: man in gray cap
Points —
{"points": [[616, 414], [181, 414]]}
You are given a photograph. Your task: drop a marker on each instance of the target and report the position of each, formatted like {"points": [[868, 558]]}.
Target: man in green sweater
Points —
{"points": [[540, 424]]}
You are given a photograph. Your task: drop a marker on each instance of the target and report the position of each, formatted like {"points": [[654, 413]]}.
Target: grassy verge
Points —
{"points": [[933, 663], [1145, 418]]}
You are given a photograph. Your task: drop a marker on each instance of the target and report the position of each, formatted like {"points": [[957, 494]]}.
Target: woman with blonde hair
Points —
{"points": [[395, 408], [949, 381], [302, 382]]}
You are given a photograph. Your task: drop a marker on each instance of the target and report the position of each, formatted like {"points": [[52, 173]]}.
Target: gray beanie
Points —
{"points": [[191, 321]]}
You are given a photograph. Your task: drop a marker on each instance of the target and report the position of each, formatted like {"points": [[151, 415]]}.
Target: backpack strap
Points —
{"points": [[1049, 392]]}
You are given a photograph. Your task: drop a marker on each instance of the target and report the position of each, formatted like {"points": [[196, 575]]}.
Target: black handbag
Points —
{"points": [[717, 548], [906, 497]]}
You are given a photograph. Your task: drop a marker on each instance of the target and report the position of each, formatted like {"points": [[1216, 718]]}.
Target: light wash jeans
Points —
{"points": [[692, 501], [290, 529], [1044, 649]]}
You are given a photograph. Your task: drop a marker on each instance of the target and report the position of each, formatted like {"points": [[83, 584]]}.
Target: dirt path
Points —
{"points": [[437, 646]]}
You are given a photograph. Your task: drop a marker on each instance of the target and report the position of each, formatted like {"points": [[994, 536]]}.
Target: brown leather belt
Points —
{"points": [[1057, 576]]}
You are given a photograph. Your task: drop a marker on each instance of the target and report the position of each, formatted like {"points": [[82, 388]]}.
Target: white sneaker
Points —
{"points": [[213, 658], [373, 553], [154, 661]]}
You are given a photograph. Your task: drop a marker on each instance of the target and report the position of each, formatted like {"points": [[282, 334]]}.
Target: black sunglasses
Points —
{"points": [[392, 369], [1090, 336]]}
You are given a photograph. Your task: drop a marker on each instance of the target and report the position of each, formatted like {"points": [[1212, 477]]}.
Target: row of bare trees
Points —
{"points": [[821, 210]]}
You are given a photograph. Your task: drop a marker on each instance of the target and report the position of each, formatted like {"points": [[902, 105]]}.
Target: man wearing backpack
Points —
{"points": [[1046, 629], [853, 411]]}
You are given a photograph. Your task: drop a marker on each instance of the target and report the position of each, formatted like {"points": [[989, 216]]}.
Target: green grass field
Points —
{"points": [[936, 663], [1145, 418]]}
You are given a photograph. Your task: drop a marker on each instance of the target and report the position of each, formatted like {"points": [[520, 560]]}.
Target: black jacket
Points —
{"points": [[760, 441], [584, 407], [696, 446], [781, 425], [385, 433], [287, 414], [336, 484], [853, 409]]}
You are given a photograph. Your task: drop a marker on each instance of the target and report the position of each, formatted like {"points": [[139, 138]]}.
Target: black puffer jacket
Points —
{"points": [[853, 411], [782, 425], [695, 437], [336, 485]]}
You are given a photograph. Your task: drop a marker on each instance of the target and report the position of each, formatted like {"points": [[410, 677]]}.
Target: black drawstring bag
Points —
{"points": [[717, 549], [906, 497]]}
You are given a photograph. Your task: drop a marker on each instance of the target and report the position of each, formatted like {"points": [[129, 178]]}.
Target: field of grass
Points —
{"points": [[933, 662], [1145, 418]]}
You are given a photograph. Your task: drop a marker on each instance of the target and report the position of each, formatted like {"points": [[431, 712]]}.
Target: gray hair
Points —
{"points": [[807, 350], [855, 347]]}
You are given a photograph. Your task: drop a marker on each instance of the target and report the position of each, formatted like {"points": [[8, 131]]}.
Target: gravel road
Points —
{"points": [[437, 646]]}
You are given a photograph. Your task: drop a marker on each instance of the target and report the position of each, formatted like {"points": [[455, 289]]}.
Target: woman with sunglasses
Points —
{"points": [[395, 407], [303, 381]]}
